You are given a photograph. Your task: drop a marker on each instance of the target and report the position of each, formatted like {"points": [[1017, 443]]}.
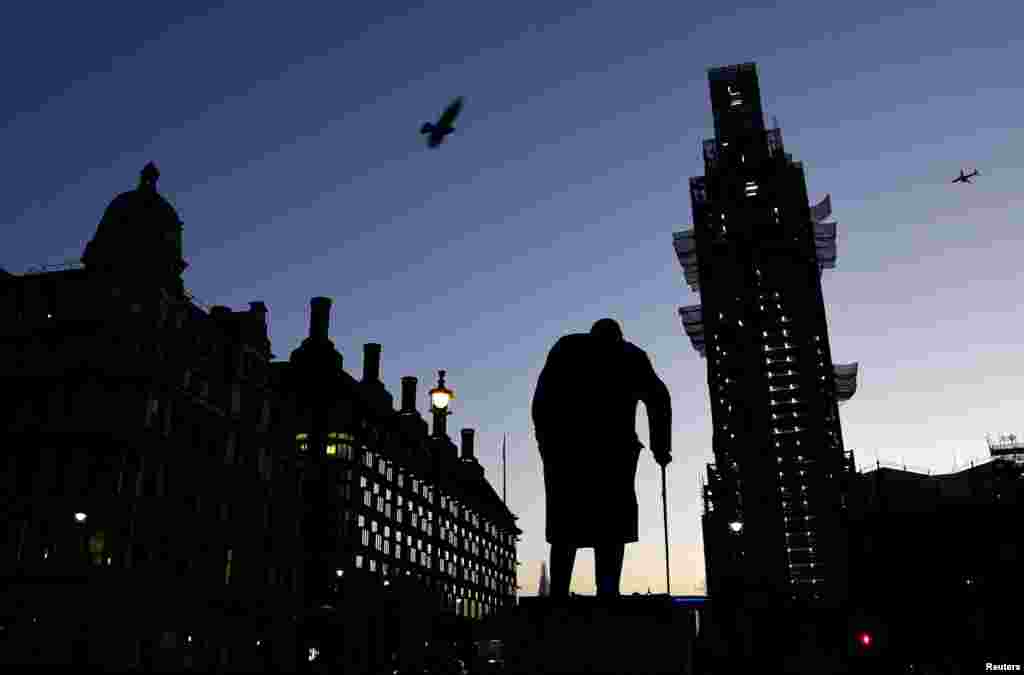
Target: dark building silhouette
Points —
{"points": [[774, 498], [175, 499], [632, 634], [935, 562]]}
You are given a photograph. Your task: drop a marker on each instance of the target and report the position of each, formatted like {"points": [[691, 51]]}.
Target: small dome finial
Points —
{"points": [[149, 176]]}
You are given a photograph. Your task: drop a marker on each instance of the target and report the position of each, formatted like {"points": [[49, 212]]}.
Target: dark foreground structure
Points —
{"points": [[640, 634], [174, 499], [937, 564]]}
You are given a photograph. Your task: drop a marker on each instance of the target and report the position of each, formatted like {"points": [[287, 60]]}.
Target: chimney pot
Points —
{"points": [[319, 318], [409, 394], [371, 362], [467, 444]]}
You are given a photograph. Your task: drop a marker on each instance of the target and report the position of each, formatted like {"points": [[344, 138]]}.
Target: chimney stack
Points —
{"points": [[467, 444], [319, 318], [408, 394], [371, 362]]}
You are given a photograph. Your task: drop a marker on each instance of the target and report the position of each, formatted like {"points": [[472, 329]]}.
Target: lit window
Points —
{"points": [[303, 442], [335, 442]]}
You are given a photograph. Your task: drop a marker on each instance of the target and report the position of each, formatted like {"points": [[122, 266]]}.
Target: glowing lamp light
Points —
{"points": [[736, 526], [441, 396], [339, 573], [80, 517], [864, 639]]}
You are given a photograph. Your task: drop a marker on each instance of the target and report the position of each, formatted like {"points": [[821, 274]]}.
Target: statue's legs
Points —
{"points": [[608, 568], [563, 557]]}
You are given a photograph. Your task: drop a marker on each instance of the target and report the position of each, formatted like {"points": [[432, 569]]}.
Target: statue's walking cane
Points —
{"points": [[664, 512]]}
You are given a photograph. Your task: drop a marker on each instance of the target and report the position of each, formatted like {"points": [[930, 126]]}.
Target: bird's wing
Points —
{"points": [[450, 113]]}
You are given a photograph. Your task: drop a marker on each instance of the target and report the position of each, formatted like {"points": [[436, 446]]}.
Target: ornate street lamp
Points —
{"points": [[440, 397]]}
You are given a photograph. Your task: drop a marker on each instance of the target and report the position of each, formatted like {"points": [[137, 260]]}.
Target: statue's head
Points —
{"points": [[607, 330], [148, 177]]}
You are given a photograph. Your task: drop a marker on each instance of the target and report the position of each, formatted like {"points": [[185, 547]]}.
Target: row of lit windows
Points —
{"points": [[416, 514], [470, 542], [781, 373], [342, 448], [451, 567]]}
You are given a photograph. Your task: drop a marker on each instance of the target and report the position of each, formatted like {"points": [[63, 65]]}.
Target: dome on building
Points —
{"points": [[138, 229]]}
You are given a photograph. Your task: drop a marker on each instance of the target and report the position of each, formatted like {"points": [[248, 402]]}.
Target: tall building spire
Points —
{"points": [[773, 502], [542, 589]]}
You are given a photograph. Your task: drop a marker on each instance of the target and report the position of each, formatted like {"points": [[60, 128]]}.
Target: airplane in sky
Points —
{"points": [[444, 125], [966, 177]]}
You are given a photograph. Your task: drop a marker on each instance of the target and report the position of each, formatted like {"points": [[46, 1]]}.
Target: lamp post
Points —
{"points": [[440, 397]]}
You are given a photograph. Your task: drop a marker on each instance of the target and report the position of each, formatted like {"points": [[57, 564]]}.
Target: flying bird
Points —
{"points": [[444, 125], [966, 177]]}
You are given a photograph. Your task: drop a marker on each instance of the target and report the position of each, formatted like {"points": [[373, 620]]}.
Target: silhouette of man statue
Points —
{"points": [[584, 417]]}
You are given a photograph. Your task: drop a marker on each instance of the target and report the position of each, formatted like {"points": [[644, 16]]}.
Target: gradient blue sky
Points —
{"points": [[287, 139]]}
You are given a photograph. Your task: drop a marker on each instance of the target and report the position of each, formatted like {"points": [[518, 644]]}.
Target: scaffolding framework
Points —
{"points": [[846, 380], [693, 324]]}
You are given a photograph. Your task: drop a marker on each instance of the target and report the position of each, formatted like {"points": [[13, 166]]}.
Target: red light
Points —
{"points": [[864, 639]]}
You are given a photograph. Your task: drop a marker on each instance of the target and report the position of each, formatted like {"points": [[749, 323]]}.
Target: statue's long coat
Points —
{"points": [[584, 415]]}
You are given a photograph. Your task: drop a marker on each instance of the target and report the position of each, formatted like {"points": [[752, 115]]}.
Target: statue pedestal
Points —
{"points": [[633, 634]]}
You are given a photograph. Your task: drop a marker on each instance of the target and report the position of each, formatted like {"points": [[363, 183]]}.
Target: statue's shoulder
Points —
{"points": [[573, 342], [573, 339], [633, 351]]}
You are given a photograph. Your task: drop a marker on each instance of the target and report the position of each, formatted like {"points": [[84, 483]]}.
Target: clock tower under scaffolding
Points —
{"points": [[775, 496]]}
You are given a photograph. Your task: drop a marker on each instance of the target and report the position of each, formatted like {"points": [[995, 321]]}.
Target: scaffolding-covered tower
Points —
{"points": [[775, 494]]}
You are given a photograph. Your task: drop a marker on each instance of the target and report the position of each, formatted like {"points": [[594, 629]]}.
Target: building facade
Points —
{"points": [[774, 498], [935, 562], [177, 499]]}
